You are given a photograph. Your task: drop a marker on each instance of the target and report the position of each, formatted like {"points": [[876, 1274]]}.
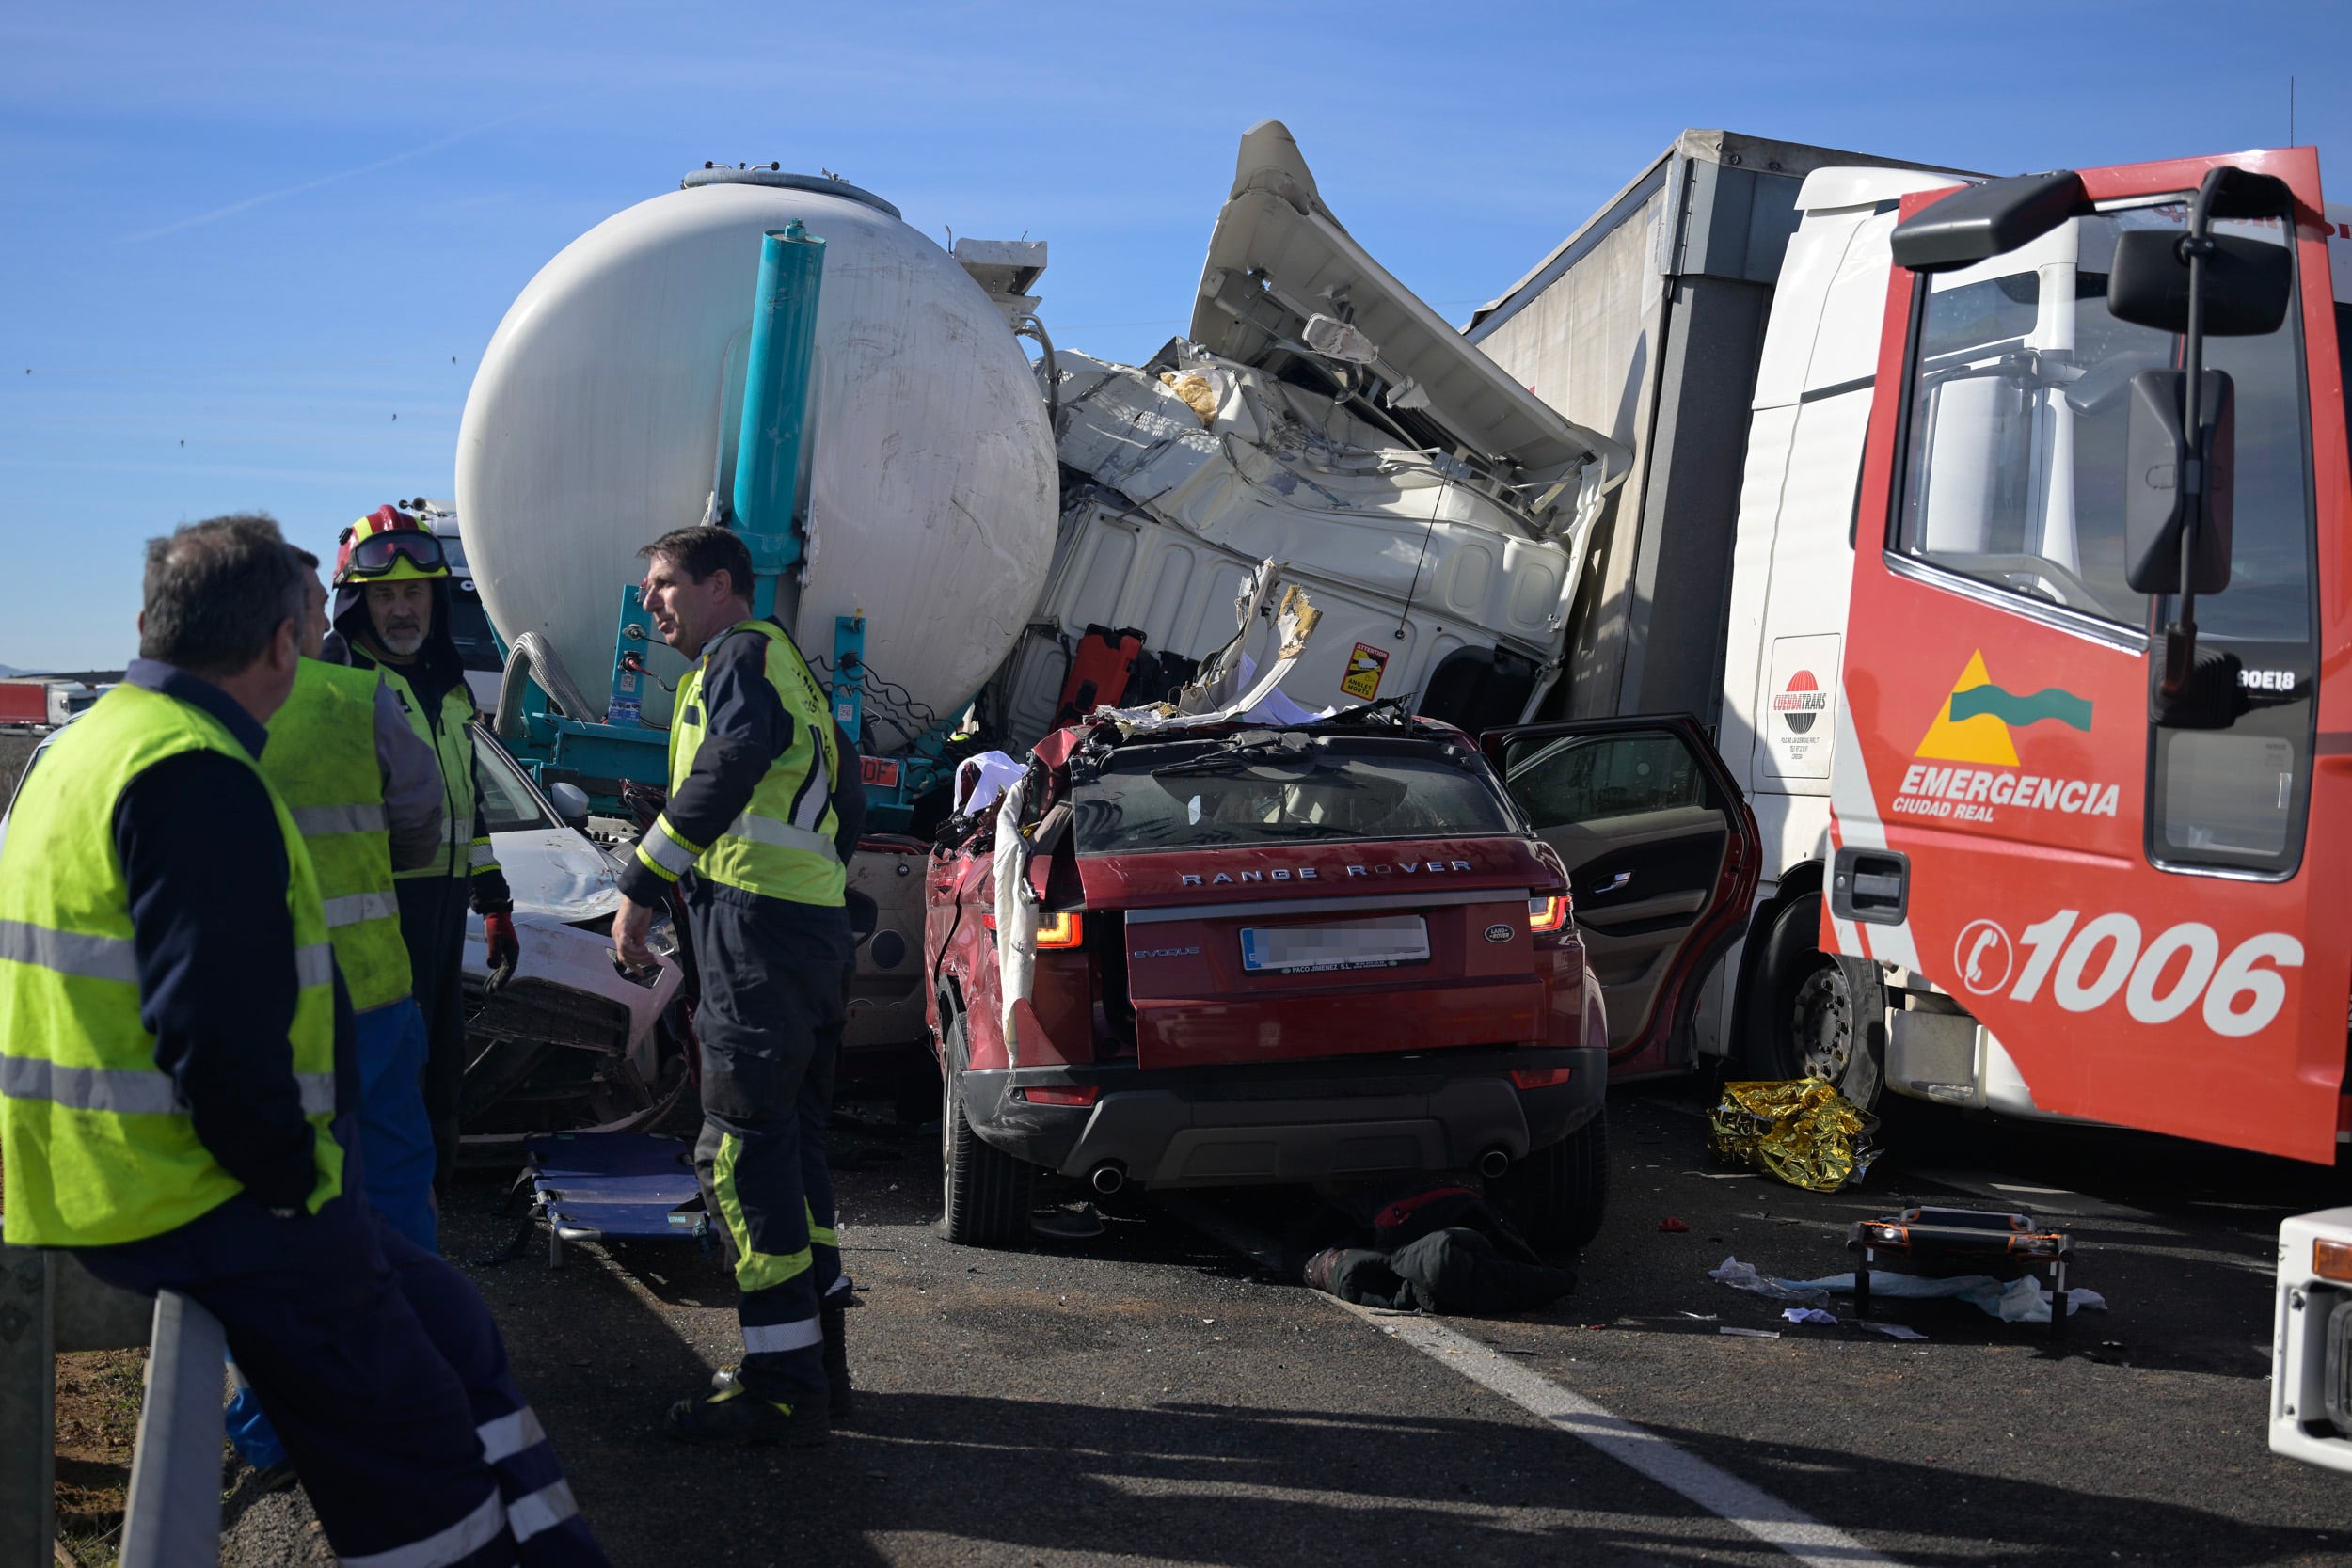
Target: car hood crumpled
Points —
{"points": [[555, 872]]}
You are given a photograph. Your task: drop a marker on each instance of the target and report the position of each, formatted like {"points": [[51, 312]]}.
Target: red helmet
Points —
{"points": [[389, 546]]}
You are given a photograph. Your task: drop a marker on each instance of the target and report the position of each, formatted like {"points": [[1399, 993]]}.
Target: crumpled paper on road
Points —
{"points": [[1802, 1132], [1743, 1277]]}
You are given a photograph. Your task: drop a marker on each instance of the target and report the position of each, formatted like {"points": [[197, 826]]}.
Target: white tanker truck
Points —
{"points": [[971, 549]]}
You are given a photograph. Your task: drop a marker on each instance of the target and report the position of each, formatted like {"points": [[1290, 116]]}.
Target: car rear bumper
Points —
{"points": [[1291, 1121]]}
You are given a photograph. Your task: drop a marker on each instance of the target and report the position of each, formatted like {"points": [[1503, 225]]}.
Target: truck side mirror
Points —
{"points": [[2156, 451], [1981, 221], [2249, 283]]}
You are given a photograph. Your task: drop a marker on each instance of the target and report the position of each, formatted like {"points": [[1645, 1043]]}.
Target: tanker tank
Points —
{"points": [[607, 407]]}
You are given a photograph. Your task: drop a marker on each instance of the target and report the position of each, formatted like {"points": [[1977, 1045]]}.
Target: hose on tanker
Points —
{"points": [[531, 658], [1030, 326]]}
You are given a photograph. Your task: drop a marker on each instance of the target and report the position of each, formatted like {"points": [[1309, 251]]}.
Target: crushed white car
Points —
{"points": [[570, 1043]]}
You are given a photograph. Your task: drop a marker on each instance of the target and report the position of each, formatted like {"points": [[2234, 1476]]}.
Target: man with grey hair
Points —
{"points": [[178, 1083]]}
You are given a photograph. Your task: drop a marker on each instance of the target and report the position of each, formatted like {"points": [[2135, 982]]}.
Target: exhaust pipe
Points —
{"points": [[1108, 1178], [1494, 1163]]}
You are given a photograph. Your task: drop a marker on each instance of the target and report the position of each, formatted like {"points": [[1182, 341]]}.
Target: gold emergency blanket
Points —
{"points": [[1802, 1132]]}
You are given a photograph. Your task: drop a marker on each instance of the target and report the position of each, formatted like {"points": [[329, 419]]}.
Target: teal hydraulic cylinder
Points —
{"points": [[779, 405]]}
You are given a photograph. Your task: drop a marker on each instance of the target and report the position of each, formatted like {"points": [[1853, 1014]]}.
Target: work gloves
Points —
{"points": [[504, 952]]}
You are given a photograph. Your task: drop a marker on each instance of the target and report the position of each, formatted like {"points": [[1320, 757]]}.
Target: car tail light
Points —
{"points": [[1548, 914], [1538, 1077], [1043, 1094], [2333, 1260], [1066, 929]]}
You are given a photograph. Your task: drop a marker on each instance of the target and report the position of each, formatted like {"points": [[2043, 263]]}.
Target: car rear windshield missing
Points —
{"points": [[1284, 787]]}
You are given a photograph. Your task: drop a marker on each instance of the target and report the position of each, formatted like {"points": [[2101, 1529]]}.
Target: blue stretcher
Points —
{"points": [[593, 1186]]}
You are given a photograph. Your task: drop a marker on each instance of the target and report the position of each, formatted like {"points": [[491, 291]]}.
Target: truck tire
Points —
{"points": [[1812, 1014], [1559, 1193], [984, 1191]]}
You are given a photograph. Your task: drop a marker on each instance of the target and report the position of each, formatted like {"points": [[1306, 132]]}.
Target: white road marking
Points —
{"points": [[1726, 1496], [1722, 1494]]}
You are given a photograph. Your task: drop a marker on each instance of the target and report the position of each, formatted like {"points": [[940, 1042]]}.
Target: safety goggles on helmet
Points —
{"points": [[389, 546]]}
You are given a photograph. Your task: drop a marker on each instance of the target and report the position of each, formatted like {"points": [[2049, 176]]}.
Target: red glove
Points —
{"points": [[497, 935]]}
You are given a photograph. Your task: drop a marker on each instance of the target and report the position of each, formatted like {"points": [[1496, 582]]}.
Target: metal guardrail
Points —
{"points": [[172, 1516], [49, 1304]]}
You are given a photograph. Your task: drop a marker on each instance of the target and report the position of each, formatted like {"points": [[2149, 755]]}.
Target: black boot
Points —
{"points": [[736, 1416], [833, 1312]]}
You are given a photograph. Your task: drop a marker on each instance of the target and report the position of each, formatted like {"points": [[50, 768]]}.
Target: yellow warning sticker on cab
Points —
{"points": [[1365, 667]]}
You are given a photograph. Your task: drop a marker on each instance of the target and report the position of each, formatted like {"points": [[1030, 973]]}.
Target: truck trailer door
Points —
{"points": [[1661, 853], [2148, 920]]}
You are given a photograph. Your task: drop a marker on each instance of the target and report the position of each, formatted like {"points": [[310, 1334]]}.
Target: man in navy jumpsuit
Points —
{"points": [[759, 820]]}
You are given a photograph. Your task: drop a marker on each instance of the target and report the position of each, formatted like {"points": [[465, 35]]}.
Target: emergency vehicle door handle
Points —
{"points": [[1872, 886]]}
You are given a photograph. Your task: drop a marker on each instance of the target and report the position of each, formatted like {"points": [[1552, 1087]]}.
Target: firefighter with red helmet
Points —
{"points": [[391, 613]]}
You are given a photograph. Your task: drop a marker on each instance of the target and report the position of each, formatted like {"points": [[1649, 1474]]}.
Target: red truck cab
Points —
{"points": [[1242, 955]]}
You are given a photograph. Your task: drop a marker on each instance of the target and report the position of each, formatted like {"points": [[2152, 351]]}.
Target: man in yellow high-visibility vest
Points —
{"points": [[392, 616], [178, 1084], [759, 820], [365, 795]]}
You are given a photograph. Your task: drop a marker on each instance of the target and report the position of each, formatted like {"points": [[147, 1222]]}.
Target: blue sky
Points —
{"points": [[250, 254]]}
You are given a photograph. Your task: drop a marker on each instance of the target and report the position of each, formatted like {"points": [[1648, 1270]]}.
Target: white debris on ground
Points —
{"points": [[2013, 1301]]}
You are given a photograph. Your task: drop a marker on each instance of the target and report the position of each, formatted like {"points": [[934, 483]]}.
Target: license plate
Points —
{"points": [[1379, 944]]}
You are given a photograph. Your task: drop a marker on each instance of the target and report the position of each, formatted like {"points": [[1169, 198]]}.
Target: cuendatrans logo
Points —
{"points": [[1801, 702], [1974, 726]]}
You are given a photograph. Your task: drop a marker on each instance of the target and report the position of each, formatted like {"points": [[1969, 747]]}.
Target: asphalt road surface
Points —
{"points": [[1159, 1395]]}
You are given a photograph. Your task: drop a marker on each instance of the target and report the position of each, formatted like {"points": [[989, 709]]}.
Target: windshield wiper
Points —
{"points": [[1247, 747]]}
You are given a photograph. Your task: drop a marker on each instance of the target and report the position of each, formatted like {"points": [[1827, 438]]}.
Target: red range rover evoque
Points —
{"points": [[1244, 955]]}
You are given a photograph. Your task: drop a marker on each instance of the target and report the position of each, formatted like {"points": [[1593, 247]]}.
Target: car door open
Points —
{"points": [[1661, 853]]}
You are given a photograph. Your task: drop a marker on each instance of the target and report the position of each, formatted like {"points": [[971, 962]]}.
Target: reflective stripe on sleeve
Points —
{"points": [[353, 908], [770, 1338], [783, 835], [484, 857], [458, 1543], [545, 1509], [131, 1091], [68, 952], [318, 821], [314, 965], [669, 855], [318, 1093], [504, 1436]]}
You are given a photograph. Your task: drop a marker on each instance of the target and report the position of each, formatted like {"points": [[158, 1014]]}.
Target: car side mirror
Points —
{"points": [[2157, 455], [571, 804], [2249, 283]]}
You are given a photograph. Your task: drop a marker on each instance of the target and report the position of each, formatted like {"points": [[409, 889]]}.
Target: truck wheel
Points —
{"points": [[1559, 1193], [1813, 1014], [984, 1191]]}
